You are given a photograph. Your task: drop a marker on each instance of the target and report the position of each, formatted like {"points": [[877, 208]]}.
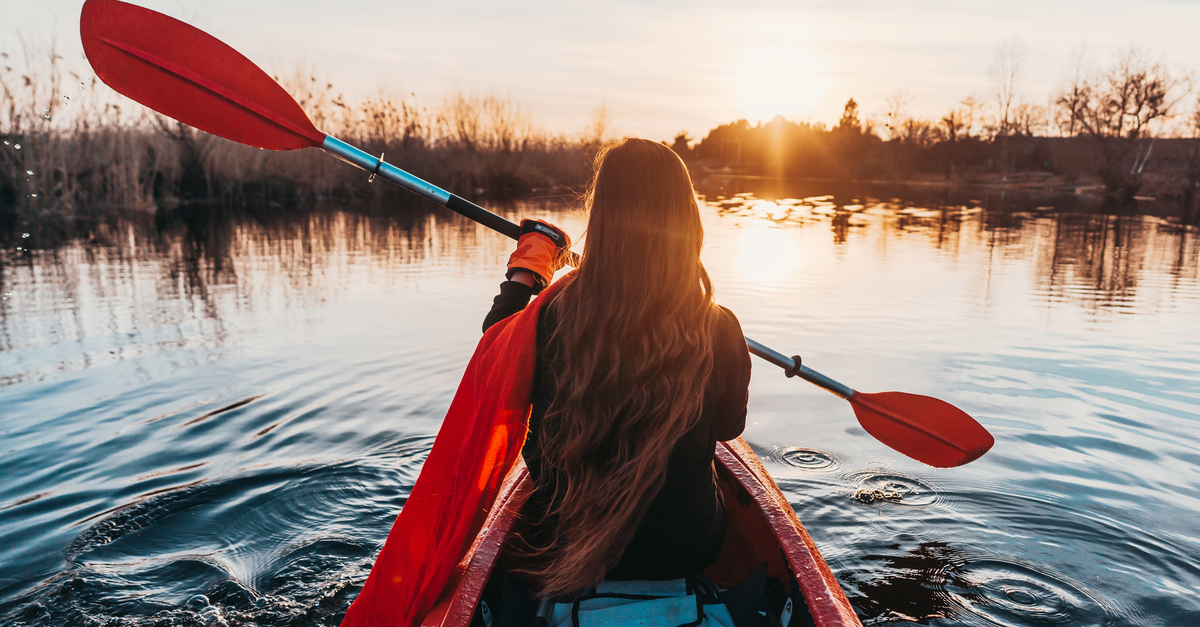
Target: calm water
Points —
{"points": [[213, 417]]}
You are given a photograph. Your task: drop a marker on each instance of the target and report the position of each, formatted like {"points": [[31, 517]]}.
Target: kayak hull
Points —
{"points": [[761, 527]]}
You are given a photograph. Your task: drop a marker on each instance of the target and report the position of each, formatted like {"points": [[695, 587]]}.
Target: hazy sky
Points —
{"points": [[665, 65]]}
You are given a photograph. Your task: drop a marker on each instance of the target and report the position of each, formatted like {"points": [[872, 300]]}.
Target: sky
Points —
{"points": [[662, 66]]}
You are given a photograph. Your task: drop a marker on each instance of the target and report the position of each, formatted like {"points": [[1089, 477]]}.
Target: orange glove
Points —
{"points": [[540, 251]]}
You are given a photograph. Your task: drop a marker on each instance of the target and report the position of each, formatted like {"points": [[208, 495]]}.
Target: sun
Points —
{"points": [[778, 78]]}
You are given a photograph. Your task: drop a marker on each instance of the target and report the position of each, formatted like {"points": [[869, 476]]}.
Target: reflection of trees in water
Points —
{"points": [[196, 243], [1086, 250], [1103, 260], [176, 278], [907, 586], [122, 286], [1099, 259]]}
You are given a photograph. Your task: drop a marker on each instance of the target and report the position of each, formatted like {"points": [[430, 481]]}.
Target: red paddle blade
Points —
{"points": [[189, 75], [924, 428]]}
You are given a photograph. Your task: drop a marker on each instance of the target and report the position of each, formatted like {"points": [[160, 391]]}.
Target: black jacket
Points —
{"points": [[683, 528]]}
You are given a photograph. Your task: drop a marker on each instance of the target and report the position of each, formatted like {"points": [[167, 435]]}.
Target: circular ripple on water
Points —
{"points": [[873, 487], [804, 458], [1006, 593]]}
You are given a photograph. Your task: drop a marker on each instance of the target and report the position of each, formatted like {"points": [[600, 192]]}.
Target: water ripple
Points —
{"points": [[1004, 592], [804, 459], [871, 487], [271, 545]]}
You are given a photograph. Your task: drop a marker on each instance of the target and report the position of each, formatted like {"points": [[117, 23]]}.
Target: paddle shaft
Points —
{"points": [[378, 167], [385, 170], [804, 372]]}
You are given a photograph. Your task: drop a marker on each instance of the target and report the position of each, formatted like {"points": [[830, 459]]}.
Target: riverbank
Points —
{"points": [[1053, 190]]}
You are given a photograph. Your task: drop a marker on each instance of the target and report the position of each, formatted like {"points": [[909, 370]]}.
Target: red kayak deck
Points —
{"points": [[761, 527]]}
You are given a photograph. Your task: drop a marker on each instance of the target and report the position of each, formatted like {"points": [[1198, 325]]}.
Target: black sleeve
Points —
{"points": [[512, 298], [731, 373]]}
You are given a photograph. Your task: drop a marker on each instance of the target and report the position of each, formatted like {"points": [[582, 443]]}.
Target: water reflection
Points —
{"points": [[935, 583], [910, 586], [1134, 263], [192, 277], [181, 273]]}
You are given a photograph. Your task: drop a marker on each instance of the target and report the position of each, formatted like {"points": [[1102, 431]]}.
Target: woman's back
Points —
{"points": [[682, 528], [639, 373]]}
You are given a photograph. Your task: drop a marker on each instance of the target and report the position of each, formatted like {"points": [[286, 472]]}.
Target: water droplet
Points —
{"points": [[29, 172], [81, 85], [35, 195], [47, 116], [18, 146], [47, 109], [6, 143], [19, 249], [24, 236], [66, 100]]}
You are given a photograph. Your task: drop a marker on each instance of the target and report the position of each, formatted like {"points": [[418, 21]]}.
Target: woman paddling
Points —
{"points": [[638, 374], [615, 384]]}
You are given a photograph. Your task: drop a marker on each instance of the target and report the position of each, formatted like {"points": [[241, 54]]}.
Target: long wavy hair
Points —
{"points": [[634, 355]]}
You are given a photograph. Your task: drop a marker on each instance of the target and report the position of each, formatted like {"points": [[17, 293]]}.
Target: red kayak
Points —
{"points": [[762, 527]]}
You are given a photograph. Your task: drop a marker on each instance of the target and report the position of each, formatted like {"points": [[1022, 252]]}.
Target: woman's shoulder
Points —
{"points": [[729, 341], [727, 322]]}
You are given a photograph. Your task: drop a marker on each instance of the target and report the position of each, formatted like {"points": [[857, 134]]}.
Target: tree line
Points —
{"points": [[1124, 127], [69, 147]]}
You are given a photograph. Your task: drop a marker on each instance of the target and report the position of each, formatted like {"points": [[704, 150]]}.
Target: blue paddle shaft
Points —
{"points": [[804, 372], [378, 167]]}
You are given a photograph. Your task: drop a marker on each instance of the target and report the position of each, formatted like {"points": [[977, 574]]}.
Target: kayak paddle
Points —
{"points": [[924, 428], [189, 75]]}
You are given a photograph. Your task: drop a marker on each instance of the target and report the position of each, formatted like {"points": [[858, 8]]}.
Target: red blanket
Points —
{"points": [[478, 443]]}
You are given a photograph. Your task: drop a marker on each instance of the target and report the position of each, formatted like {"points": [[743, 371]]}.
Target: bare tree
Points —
{"points": [[917, 132], [895, 113], [1121, 108], [970, 108], [953, 125], [1005, 74], [1071, 95], [1028, 119]]}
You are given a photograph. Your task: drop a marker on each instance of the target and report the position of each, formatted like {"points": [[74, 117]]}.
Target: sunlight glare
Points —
{"points": [[767, 255], [780, 78]]}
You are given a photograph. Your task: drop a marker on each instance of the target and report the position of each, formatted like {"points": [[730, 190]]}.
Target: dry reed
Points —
{"points": [[82, 149]]}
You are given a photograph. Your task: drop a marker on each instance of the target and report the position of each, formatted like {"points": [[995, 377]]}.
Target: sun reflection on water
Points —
{"points": [[767, 255]]}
